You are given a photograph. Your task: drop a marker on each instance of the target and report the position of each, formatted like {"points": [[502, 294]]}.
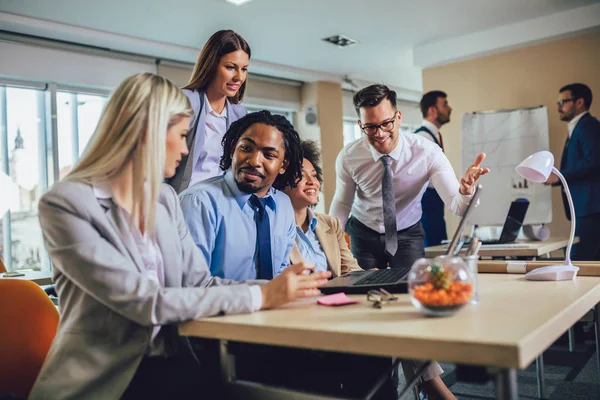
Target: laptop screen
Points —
{"points": [[463, 220], [514, 221]]}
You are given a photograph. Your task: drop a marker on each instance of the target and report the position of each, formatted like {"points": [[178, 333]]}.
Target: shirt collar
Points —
{"points": [[242, 197], [395, 154], [431, 126], [312, 220], [213, 112], [573, 123], [102, 191]]}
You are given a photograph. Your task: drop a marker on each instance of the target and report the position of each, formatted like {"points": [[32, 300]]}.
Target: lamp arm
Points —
{"points": [[572, 209]]}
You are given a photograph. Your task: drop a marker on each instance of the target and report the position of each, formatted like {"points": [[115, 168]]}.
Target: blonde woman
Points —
{"points": [[125, 267], [215, 89]]}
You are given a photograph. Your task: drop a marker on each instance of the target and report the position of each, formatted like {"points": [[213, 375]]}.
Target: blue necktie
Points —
{"points": [[263, 237]]}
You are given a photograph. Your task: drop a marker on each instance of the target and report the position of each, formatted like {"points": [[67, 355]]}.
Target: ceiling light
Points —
{"points": [[340, 40], [237, 2]]}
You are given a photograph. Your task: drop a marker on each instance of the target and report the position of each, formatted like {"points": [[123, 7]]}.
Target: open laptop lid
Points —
{"points": [[514, 220], [463, 220]]}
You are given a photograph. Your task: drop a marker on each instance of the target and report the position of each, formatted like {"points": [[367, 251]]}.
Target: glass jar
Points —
{"points": [[440, 286]]}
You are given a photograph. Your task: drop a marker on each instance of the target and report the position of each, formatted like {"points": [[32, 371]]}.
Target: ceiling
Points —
{"points": [[395, 38]]}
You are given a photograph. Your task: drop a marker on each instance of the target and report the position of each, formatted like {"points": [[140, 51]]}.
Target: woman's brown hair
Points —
{"points": [[220, 43]]}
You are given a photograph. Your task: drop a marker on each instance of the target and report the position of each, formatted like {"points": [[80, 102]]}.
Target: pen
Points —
{"points": [[474, 243], [459, 246], [477, 247]]}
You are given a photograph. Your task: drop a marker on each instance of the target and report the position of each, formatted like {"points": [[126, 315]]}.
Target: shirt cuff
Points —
{"points": [[257, 298]]}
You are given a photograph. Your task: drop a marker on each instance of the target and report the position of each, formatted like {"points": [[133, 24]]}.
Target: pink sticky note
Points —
{"points": [[338, 299]]}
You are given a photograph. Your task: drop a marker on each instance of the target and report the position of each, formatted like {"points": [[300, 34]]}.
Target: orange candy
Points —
{"points": [[457, 293]]}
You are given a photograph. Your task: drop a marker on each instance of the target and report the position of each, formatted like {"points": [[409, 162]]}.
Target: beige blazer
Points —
{"points": [[108, 304], [331, 237]]}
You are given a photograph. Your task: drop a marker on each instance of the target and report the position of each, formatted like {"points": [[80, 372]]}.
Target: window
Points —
{"points": [[351, 131], [27, 158], [23, 160], [77, 115]]}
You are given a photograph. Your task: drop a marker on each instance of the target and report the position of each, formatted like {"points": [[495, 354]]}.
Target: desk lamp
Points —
{"points": [[537, 168]]}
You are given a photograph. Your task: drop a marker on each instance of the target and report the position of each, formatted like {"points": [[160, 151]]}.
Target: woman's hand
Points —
{"points": [[293, 283]]}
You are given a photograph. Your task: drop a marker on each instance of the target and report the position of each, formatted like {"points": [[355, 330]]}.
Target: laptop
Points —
{"points": [[512, 224], [394, 280]]}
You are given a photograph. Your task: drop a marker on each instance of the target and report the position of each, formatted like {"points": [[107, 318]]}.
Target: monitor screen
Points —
{"points": [[514, 220]]}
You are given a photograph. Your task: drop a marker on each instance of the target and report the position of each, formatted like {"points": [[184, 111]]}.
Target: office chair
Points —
{"points": [[28, 323]]}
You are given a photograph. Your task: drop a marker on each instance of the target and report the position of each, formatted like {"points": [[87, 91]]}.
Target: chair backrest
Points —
{"points": [[28, 323], [2, 267]]}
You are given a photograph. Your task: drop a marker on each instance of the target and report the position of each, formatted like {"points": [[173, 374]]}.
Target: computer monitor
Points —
{"points": [[513, 223]]}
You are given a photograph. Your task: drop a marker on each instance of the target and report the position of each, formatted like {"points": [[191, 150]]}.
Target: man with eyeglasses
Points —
{"points": [[381, 179], [580, 165], [436, 112]]}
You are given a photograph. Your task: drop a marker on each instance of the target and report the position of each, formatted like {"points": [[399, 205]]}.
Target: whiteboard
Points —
{"points": [[507, 138]]}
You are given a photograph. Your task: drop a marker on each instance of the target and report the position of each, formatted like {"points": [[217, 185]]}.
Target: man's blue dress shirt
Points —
{"points": [[221, 222]]}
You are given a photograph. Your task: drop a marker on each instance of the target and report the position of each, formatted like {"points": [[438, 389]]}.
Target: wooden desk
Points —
{"points": [[518, 249], [39, 277], [586, 268], [499, 332]]}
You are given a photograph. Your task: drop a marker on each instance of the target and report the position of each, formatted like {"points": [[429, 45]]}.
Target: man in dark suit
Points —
{"points": [[436, 112], [580, 165]]}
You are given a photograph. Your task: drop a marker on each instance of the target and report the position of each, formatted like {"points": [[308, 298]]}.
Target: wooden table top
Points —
{"points": [[39, 277], [514, 322], [516, 249]]}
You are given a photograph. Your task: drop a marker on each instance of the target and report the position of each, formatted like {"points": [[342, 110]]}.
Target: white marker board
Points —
{"points": [[507, 137]]}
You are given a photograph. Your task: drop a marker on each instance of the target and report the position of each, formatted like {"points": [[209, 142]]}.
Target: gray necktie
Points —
{"points": [[389, 207]]}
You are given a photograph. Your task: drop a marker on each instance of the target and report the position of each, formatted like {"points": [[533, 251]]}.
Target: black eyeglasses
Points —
{"points": [[385, 126], [561, 103]]}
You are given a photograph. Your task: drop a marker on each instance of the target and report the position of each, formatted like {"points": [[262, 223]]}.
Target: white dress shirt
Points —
{"points": [[434, 129], [415, 162], [210, 154], [573, 123]]}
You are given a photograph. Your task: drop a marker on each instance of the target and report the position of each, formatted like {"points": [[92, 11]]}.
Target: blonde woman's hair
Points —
{"points": [[133, 128], [219, 44]]}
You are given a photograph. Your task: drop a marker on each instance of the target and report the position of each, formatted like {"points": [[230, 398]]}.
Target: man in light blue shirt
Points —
{"points": [[244, 227]]}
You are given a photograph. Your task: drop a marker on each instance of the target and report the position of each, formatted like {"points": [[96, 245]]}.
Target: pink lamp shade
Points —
{"points": [[537, 167]]}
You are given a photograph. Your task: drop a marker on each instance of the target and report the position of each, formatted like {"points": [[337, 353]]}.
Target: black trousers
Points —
{"points": [[178, 377], [588, 230], [368, 246]]}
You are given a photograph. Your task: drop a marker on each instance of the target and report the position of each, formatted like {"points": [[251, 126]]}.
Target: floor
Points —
{"points": [[571, 376]]}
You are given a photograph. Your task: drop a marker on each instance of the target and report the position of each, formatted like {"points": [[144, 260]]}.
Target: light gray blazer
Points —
{"points": [[181, 180], [106, 300]]}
